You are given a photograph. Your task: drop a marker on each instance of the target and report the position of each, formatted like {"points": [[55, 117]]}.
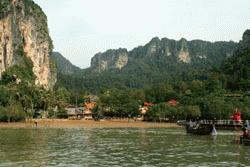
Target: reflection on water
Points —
{"points": [[118, 147]]}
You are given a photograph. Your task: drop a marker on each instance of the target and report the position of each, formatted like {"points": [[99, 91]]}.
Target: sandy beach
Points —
{"points": [[64, 123]]}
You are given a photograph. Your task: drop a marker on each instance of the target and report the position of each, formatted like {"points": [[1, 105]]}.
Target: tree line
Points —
{"points": [[202, 93]]}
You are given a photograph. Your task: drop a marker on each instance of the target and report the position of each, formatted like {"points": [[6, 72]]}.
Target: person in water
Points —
{"points": [[245, 133], [214, 132], [35, 123]]}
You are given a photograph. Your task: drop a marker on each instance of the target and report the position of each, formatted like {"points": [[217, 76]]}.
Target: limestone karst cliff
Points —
{"points": [[112, 59], [23, 28], [196, 53], [238, 66]]}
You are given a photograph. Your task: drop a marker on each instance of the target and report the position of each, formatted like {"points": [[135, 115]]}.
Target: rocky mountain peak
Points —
{"points": [[111, 59], [183, 54], [246, 35], [153, 46], [169, 51], [246, 38], [155, 40]]}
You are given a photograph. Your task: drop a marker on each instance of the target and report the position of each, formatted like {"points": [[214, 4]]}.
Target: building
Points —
{"points": [[144, 109], [173, 103], [88, 110], [73, 112]]}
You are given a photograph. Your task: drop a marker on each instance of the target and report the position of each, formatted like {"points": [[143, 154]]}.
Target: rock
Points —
{"points": [[112, 59], [24, 27], [246, 40]]}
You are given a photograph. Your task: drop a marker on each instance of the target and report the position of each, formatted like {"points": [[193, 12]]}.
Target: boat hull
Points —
{"points": [[206, 130]]}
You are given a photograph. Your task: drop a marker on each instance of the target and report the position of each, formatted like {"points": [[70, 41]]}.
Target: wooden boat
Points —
{"points": [[199, 129]]}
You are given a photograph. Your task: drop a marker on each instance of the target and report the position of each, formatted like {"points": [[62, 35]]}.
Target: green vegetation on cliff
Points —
{"points": [[5, 8], [34, 11], [21, 99], [20, 96], [158, 61], [64, 66], [238, 66]]}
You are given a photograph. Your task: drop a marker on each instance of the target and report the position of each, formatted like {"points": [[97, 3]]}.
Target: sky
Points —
{"points": [[82, 28]]}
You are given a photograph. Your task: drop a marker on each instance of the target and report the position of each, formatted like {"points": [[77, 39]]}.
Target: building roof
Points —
{"points": [[90, 105], [73, 111], [148, 104], [173, 102], [70, 106]]}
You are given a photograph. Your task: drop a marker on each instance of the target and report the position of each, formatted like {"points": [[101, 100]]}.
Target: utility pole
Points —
{"points": [[76, 103]]}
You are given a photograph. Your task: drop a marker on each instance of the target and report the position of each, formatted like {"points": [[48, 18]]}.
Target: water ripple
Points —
{"points": [[118, 147]]}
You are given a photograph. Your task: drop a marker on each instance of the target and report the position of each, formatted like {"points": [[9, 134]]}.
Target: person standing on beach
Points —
{"points": [[36, 123]]}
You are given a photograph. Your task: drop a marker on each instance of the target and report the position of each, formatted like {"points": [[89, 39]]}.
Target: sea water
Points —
{"points": [[119, 147]]}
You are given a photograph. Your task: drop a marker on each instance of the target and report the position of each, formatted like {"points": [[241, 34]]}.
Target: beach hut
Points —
{"points": [[73, 112], [87, 115], [88, 110], [72, 115]]}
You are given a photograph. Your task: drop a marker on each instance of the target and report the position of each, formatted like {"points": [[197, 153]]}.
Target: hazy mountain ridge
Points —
{"points": [[64, 66], [157, 61], [197, 53]]}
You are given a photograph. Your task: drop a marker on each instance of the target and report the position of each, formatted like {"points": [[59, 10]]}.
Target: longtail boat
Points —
{"points": [[219, 124], [199, 129]]}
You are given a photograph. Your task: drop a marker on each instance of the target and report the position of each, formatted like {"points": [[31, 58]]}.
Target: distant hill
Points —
{"points": [[237, 67], [64, 66], [165, 54], [160, 60]]}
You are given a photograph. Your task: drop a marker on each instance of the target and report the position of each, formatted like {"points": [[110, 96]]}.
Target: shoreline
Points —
{"points": [[65, 123]]}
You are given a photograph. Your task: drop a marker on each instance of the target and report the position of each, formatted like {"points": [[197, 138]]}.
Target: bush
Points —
{"points": [[192, 111], [5, 8], [12, 113], [161, 111], [3, 115], [62, 114]]}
